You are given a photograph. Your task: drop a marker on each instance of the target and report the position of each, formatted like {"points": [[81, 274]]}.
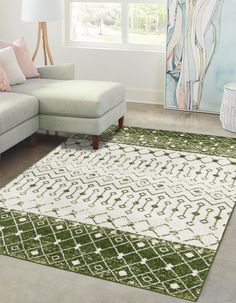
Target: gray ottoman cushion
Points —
{"points": [[16, 109], [82, 99]]}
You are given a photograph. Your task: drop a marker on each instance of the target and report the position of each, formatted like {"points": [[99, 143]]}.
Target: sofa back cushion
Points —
{"points": [[23, 57], [9, 64], [4, 81]]}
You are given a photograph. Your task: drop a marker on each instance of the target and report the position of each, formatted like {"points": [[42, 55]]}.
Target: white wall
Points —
{"points": [[141, 72]]}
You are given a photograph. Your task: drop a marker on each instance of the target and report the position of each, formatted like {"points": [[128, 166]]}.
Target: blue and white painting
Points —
{"points": [[201, 53]]}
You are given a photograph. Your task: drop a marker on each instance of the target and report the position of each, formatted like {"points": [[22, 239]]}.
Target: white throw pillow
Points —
{"points": [[9, 64]]}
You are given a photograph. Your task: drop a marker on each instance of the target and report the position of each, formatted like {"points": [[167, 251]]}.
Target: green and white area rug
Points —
{"points": [[148, 209]]}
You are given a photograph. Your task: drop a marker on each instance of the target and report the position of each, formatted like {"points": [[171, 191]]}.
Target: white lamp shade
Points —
{"points": [[41, 10]]}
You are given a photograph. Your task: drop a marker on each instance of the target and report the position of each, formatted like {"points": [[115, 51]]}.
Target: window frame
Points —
{"points": [[124, 45]]}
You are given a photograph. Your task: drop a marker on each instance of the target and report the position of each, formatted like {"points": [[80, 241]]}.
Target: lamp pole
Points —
{"points": [[43, 34]]}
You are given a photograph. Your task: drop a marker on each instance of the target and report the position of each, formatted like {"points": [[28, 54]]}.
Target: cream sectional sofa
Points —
{"points": [[57, 102]]}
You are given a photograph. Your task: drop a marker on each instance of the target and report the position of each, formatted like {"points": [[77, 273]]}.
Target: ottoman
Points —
{"points": [[86, 107]]}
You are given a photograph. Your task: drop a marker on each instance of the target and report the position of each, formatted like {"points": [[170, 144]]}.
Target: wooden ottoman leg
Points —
{"points": [[33, 140], [121, 122], [95, 142]]}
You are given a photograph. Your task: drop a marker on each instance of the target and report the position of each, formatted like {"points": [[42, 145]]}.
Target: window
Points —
{"points": [[126, 24]]}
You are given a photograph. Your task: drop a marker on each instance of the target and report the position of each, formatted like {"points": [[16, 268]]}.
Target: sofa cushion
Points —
{"points": [[23, 57], [4, 81], [16, 109], [74, 98], [9, 64]]}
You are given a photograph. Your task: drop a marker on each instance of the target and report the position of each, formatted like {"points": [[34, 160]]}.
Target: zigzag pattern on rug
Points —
{"points": [[148, 209]]}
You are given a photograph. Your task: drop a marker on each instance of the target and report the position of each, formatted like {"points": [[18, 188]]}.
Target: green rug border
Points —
{"points": [[13, 255], [177, 137], [107, 281]]}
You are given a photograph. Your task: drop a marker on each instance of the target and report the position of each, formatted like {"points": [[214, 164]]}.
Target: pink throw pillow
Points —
{"points": [[4, 82], [23, 57]]}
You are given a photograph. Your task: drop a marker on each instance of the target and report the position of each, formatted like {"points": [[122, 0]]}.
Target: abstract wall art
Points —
{"points": [[201, 48]]}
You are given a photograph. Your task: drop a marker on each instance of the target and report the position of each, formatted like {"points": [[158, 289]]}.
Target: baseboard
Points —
{"points": [[145, 96]]}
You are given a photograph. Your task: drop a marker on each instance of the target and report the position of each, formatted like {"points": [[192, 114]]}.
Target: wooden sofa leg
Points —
{"points": [[95, 142], [121, 122], [33, 140]]}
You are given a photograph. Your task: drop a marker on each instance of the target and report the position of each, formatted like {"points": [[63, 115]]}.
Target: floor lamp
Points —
{"points": [[42, 11]]}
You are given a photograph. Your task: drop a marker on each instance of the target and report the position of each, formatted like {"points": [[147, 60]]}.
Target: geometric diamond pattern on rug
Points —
{"points": [[166, 267]]}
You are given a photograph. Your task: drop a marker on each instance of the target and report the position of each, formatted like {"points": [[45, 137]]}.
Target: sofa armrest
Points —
{"points": [[58, 72]]}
